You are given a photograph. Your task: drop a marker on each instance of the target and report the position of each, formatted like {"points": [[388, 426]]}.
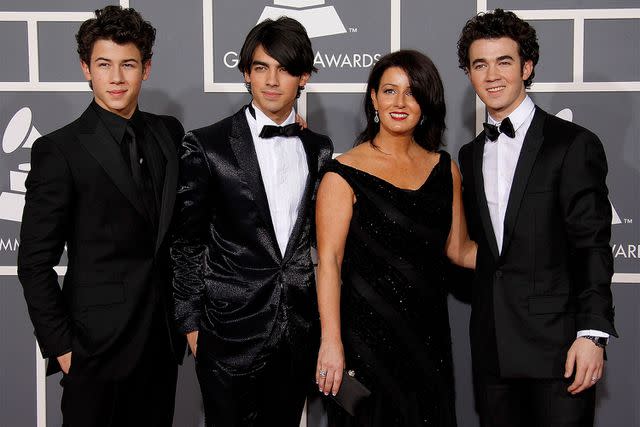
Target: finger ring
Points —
{"points": [[594, 379], [323, 373]]}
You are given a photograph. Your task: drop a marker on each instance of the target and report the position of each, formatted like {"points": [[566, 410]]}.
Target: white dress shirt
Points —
{"points": [[500, 158], [284, 170]]}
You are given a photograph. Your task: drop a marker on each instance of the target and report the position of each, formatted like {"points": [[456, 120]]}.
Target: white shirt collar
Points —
{"points": [[519, 115]]}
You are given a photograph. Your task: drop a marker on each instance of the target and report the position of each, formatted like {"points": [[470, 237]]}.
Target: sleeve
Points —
{"points": [[45, 225], [587, 214], [188, 247]]}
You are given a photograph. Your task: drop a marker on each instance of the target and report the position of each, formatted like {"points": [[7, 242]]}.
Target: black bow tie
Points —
{"points": [[269, 131], [492, 131]]}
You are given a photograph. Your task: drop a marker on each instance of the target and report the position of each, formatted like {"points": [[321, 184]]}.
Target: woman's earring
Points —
{"points": [[376, 119], [421, 120]]}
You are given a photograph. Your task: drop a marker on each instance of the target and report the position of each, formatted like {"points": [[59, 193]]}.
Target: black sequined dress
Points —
{"points": [[395, 324]]}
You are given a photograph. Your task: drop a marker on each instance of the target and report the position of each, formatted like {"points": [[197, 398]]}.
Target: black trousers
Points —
{"points": [[270, 394], [145, 398], [532, 403]]}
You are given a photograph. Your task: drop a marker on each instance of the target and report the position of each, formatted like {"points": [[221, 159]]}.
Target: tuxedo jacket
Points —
{"points": [[80, 193], [553, 276], [231, 282]]}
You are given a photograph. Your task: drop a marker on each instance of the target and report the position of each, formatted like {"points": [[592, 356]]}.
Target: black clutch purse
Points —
{"points": [[351, 394]]}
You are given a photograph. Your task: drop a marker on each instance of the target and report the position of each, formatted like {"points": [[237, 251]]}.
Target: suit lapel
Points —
{"points": [[310, 148], [241, 143], [162, 136], [97, 140], [478, 154], [530, 147]]}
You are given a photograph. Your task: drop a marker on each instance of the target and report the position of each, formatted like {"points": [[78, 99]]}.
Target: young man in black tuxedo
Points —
{"points": [[104, 186], [244, 284], [537, 205]]}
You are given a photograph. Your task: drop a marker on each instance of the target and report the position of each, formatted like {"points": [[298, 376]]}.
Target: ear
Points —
{"points": [[146, 70], [374, 98], [527, 69], [247, 77], [304, 78], [85, 70]]}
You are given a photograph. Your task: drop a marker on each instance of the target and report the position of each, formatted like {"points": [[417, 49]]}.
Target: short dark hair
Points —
{"points": [[285, 40], [118, 25], [497, 24], [427, 89]]}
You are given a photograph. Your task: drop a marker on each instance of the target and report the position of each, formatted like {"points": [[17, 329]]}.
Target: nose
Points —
{"points": [[492, 72], [117, 75], [400, 99], [272, 77]]}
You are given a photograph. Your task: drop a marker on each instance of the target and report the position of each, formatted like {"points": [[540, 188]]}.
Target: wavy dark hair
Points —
{"points": [[427, 90], [496, 24], [118, 25]]}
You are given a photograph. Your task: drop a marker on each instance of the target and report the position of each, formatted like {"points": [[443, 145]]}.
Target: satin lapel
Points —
{"points": [[483, 207], [162, 135], [97, 140], [530, 147], [241, 143], [311, 150]]}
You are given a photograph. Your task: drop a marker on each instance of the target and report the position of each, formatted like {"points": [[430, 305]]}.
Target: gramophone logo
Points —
{"points": [[567, 115], [19, 134], [318, 20]]}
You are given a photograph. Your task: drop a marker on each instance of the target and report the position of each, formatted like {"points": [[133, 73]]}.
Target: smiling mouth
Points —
{"points": [[398, 116], [495, 89]]}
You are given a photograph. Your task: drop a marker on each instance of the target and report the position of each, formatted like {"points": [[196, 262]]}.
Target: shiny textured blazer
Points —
{"points": [[231, 282], [553, 277], [80, 193]]}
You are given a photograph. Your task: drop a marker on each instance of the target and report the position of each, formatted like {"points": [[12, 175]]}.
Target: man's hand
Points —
{"points": [[65, 362], [192, 339], [588, 360]]}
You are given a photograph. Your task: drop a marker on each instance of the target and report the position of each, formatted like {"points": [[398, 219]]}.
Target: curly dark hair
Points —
{"points": [[427, 90], [119, 25], [496, 24]]}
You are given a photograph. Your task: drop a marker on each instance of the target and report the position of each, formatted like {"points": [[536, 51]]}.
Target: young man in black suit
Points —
{"points": [[244, 283], [537, 205], [104, 186]]}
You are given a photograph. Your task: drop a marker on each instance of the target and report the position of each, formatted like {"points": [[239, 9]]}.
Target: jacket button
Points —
{"points": [[499, 274]]}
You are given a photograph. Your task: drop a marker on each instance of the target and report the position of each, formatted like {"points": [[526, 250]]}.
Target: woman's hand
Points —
{"points": [[330, 366]]}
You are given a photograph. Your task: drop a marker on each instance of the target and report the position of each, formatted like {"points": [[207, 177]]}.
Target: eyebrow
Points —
{"points": [[500, 58], [101, 58], [259, 63]]}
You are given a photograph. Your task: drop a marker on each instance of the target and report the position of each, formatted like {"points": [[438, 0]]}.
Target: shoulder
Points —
{"points": [[216, 131], [172, 124], [323, 141], [355, 157], [565, 131]]}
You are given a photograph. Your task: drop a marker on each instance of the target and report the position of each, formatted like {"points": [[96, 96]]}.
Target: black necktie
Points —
{"points": [[134, 157], [269, 131], [492, 131]]}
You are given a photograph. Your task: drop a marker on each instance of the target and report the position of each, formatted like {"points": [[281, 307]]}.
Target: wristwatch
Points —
{"points": [[599, 341]]}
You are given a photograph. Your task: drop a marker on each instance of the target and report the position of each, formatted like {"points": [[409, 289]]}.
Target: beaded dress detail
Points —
{"points": [[394, 316]]}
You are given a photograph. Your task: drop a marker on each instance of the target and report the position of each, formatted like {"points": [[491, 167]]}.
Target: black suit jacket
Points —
{"points": [[230, 281], [80, 193], [553, 277]]}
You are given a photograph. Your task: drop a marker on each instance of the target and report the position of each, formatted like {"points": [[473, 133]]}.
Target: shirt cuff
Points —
{"points": [[593, 333]]}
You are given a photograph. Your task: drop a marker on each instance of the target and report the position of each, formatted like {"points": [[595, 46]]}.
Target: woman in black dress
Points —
{"points": [[389, 212]]}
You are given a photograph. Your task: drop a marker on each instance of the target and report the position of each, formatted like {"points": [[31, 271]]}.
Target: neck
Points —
{"points": [[393, 144], [279, 116], [500, 115]]}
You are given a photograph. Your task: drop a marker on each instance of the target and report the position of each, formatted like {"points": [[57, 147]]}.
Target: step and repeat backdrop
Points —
{"points": [[589, 73]]}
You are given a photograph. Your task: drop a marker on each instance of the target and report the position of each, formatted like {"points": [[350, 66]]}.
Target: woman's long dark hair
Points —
{"points": [[427, 89]]}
